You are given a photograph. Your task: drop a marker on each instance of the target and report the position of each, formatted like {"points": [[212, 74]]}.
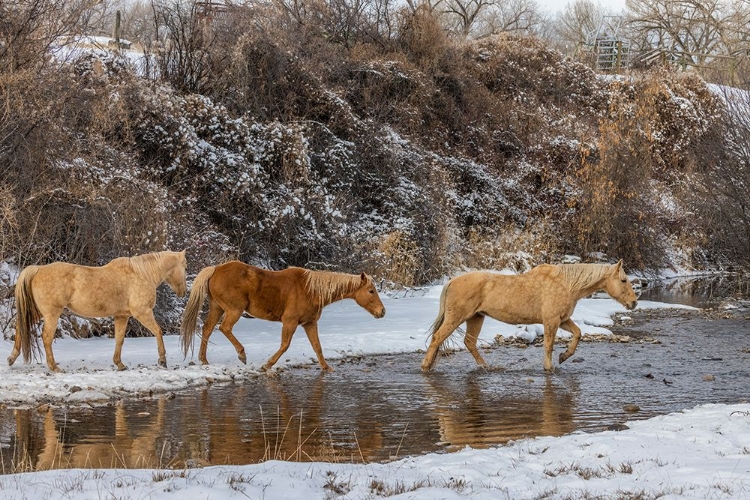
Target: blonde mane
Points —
{"points": [[150, 265], [582, 276], [330, 286]]}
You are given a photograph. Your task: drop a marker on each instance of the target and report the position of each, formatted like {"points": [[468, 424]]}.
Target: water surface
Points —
{"points": [[382, 407]]}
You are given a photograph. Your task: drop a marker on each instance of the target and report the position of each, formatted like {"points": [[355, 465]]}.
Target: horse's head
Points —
{"points": [[176, 273], [618, 286], [367, 297]]}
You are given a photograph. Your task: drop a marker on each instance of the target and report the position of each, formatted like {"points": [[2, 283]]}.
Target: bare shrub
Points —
{"points": [[716, 190], [422, 37], [511, 248], [396, 259]]}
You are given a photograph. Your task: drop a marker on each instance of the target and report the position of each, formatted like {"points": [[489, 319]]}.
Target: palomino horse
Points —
{"points": [[547, 294], [294, 296], [124, 287]]}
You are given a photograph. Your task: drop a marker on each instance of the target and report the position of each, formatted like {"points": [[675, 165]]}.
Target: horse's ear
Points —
{"points": [[617, 267], [363, 276]]}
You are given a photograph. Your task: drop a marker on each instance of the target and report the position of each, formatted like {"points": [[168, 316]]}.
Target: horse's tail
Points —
{"points": [[441, 313], [194, 306], [27, 313]]}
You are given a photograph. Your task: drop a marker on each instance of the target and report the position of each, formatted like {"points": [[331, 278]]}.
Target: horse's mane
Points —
{"points": [[150, 265], [330, 286], [581, 276]]}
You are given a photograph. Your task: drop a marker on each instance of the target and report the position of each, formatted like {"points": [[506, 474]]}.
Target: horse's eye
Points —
{"points": [[625, 281], [372, 291]]}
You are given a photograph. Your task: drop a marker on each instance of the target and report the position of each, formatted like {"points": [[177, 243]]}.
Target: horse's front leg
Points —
{"points": [[121, 326], [573, 345], [288, 328], [311, 329], [550, 330]]}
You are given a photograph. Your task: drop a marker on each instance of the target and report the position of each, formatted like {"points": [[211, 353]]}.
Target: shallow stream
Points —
{"points": [[382, 407]]}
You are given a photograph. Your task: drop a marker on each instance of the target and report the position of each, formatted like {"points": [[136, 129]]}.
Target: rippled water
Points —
{"points": [[382, 407]]}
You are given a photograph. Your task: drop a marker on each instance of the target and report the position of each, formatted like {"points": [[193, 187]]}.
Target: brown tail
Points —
{"points": [[27, 313], [193, 307]]}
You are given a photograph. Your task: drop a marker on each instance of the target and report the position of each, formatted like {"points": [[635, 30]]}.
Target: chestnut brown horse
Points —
{"points": [[124, 287], [547, 294], [294, 296]]}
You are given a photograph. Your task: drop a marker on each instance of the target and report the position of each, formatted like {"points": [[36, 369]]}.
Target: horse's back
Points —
{"points": [[515, 299], [261, 292], [85, 290]]}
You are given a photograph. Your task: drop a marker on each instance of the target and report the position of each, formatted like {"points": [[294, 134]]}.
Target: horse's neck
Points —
{"points": [[589, 289], [341, 291], [153, 272]]}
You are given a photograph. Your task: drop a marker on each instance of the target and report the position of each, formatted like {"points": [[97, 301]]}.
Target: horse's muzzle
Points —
{"points": [[379, 314], [631, 305]]}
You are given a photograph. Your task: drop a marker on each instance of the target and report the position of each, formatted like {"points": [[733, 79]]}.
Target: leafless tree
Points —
{"points": [[462, 15], [692, 30], [575, 23], [28, 28], [480, 18], [184, 38], [511, 16], [719, 196]]}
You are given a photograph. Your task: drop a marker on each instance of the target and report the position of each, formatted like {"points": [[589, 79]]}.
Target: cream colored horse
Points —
{"points": [[547, 294], [124, 287]]}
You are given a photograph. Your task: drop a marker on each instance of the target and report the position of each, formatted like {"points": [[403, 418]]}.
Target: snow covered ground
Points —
{"points": [[701, 453]]}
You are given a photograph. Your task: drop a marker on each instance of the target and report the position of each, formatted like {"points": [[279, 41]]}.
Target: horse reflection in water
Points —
{"points": [[466, 419], [279, 428], [134, 445], [210, 428]]}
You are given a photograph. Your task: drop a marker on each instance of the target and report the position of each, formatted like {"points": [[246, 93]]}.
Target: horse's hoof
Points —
{"points": [[163, 363], [243, 358], [11, 360], [563, 357], [327, 368], [121, 367]]}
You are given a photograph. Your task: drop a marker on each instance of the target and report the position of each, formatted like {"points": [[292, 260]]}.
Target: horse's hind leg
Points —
{"points": [[48, 335], [573, 345], [231, 317], [121, 325], [16, 350], [146, 318], [441, 335], [473, 327], [213, 317]]}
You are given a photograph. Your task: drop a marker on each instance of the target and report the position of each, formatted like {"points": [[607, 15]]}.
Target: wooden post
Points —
{"points": [[116, 34]]}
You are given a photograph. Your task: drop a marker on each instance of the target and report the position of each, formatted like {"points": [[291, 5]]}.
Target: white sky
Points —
{"points": [[558, 5]]}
